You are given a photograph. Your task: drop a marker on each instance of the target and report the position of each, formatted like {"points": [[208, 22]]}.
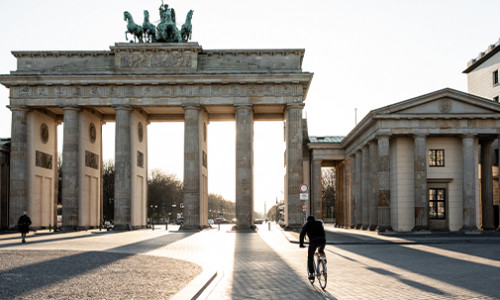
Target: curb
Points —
{"points": [[196, 286]]}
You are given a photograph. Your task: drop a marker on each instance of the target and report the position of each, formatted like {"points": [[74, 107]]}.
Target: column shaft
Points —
{"points": [[244, 167], [365, 175], [316, 200], [487, 222], [352, 192], [123, 201], [359, 194], [469, 183], [420, 183], [70, 170], [18, 165], [384, 184], [294, 174], [373, 186], [192, 167]]}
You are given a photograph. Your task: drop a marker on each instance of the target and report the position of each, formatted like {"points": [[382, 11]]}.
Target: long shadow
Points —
{"points": [[60, 237], [467, 275], [260, 273], [383, 272], [50, 272]]}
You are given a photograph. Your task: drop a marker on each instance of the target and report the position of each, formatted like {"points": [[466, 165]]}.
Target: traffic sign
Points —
{"points": [[304, 188], [304, 196]]}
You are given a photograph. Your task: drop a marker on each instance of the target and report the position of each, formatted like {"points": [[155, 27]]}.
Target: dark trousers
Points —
{"points": [[310, 254]]}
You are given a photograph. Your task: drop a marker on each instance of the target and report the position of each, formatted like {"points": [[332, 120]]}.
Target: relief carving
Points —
{"points": [[91, 160], [43, 160], [140, 159]]}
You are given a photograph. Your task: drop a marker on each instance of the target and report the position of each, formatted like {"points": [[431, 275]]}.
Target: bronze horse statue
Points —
{"points": [[186, 29], [133, 28], [148, 28]]}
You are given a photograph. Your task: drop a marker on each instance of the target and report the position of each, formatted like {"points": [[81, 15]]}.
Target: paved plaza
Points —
{"points": [[220, 264]]}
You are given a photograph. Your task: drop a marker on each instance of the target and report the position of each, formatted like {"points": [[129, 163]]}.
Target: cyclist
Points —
{"points": [[316, 234]]}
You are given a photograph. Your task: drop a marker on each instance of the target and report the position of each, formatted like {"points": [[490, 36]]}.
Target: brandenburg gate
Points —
{"points": [[133, 85]]}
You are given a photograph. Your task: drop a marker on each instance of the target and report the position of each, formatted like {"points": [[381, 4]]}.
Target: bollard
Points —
{"points": [[166, 225], [50, 227], [269, 226], [218, 227]]}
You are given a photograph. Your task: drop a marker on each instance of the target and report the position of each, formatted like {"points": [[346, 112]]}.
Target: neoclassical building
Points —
{"points": [[427, 163]]}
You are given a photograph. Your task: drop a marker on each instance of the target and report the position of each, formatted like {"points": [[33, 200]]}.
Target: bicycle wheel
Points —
{"points": [[322, 273]]}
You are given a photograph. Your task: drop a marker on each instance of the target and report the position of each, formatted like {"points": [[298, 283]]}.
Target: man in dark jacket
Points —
{"points": [[316, 234], [24, 225]]}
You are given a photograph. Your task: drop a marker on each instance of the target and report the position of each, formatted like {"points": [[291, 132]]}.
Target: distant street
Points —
{"points": [[245, 265]]}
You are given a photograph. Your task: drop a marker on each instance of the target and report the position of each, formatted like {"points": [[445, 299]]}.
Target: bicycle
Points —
{"points": [[319, 270]]}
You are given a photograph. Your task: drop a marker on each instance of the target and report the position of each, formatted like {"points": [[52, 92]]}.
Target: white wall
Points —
{"points": [[480, 81], [402, 182], [139, 175], [452, 170]]}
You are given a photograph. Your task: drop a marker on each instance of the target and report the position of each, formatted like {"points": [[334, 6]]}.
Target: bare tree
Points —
{"points": [[108, 190], [328, 192]]}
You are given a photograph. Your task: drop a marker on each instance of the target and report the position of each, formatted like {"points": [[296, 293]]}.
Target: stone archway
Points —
{"points": [[135, 84]]}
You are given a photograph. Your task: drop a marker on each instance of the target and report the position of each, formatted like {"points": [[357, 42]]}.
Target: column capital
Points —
{"points": [[122, 107], [243, 106], [73, 107], [295, 105], [187, 106], [18, 108], [468, 135]]}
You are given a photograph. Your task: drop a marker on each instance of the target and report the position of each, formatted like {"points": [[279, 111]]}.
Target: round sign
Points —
{"points": [[304, 188]]}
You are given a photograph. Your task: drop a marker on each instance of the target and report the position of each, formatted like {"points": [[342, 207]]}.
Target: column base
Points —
{"points": [[420, 228], [122, 227], [372, 227], [252, 228], [384, 228]]}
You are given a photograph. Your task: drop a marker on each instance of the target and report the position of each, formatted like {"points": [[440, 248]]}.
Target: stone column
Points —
{"points": [[384, 184], [18, 165], [487, 186], [347, 193], [340, 195], [359, 194], [352, 192], [294, 174], [316, 208], [70, 171], [365, 172], [123, 168], [469, 183], [420, 183], [192, 167], [373, 186], [244, 166]]}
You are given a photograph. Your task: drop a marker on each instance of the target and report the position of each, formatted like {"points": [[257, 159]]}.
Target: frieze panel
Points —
{"points": [[180, 90], [43, 160], [153, 60], [91, 160]]}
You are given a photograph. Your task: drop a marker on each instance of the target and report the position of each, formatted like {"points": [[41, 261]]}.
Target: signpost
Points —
{"points": [[304, 195]]}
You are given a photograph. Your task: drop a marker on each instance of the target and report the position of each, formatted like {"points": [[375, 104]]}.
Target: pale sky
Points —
{"points": [[364, 54]]}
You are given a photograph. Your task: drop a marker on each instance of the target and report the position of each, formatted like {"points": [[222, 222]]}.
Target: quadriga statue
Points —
{"points": [[165, 32]]}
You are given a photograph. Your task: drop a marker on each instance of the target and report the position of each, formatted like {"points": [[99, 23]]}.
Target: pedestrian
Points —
{"points": [[23, 225]]}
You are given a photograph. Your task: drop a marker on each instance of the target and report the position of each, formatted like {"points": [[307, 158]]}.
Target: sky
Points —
{"points": [[364, 54]]}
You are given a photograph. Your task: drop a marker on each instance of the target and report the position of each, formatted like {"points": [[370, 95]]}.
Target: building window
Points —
{"points": [[495, 98], [437, 204], [436, 158], [495, 77]]}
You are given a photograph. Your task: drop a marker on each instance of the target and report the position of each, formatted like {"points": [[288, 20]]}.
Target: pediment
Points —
{"points": [[443, 102]]}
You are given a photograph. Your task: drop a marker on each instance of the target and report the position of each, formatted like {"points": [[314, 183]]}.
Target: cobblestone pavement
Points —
{"points": [[263, 265]]}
